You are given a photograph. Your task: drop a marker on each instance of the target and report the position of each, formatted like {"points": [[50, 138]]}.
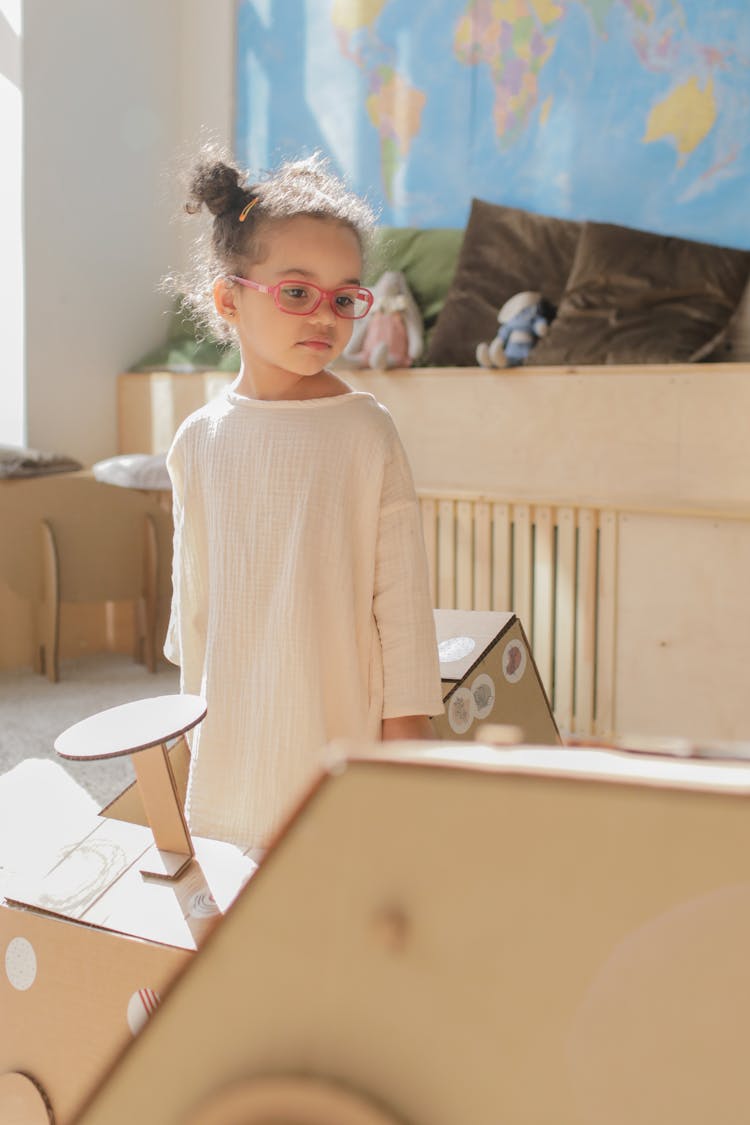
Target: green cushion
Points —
{"points": [[426, 256], [185, 350]]}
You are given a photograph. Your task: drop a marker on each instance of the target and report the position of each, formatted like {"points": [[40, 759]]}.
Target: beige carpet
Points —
{"points": [[33, 712]]}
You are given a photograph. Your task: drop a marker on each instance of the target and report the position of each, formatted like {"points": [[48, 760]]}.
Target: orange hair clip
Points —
{"points": [[249, 207]]}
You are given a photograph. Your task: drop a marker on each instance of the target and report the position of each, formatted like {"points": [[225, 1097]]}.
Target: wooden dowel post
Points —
{"points": [[163, 809], [150, 592], [50, 626]]}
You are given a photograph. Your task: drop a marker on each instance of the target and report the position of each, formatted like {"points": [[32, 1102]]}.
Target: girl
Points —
{"points": [[300, 608]]}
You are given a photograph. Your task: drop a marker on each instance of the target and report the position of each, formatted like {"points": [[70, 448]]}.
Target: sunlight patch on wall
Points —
{"points": [[12, 399]]}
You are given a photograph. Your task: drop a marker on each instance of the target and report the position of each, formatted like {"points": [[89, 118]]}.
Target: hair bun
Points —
{"points": [[218, 185]]}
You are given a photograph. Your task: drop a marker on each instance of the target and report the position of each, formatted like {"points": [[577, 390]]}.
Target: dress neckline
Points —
{"points": [[301, 403]]}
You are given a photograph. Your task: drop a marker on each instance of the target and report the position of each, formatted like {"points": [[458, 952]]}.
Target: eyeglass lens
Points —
{"points": [[302, 298]]}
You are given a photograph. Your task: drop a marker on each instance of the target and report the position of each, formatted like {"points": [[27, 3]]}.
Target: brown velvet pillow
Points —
{"points": [[504, 251], [732, 344], [636, 297]]}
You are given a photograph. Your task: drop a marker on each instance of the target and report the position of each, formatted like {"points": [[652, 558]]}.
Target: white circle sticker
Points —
{"points": [[455, 648], [20, 963], [514, 661], [483, 694], [141, 1007], [461, 710]]}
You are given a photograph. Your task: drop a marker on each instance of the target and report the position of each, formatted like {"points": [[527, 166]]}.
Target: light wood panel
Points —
{"points": [[563, 935], [683, 626], [658, 436]]}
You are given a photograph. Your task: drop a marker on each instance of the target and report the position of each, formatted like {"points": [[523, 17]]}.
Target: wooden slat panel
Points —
{"points": [[446, 575], [585, 623], [543, 594], [501, 560], [522, 552], [429, 529], [482, 555], [565, 595], [475, 562], [464, 554], [604, 724]]}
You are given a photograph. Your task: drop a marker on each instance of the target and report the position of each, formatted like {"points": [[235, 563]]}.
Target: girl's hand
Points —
{"points": [[407, 727]]}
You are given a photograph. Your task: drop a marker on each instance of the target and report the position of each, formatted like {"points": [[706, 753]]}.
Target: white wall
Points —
{"points": [[207, 77], [12, 396], [113, 93]]}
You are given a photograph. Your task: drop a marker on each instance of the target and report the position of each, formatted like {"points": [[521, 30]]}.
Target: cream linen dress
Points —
{"points": [[301, 608]]}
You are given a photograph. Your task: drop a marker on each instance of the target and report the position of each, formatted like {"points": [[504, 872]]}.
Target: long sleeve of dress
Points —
{"points": [[401, 602], [185, 643]]}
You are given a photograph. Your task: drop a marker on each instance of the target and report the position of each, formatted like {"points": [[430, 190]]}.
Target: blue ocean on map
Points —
{"points": [[626, 111]]}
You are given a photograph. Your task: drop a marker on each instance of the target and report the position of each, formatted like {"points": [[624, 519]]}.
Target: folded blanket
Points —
{"points": [[16, 461]]}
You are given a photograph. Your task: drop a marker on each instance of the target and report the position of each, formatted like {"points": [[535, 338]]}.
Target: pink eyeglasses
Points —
{"points": [[300, 298]]}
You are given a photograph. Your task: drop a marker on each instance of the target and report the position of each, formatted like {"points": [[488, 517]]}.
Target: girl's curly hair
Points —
{"points": [[244, 212]]}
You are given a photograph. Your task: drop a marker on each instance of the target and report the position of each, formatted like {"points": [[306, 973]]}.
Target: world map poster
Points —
{"points": [[625, 111]]}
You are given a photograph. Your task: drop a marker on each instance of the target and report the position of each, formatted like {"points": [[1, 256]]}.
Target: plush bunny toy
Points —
{"points": [[523, 320], [391, 335]]}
